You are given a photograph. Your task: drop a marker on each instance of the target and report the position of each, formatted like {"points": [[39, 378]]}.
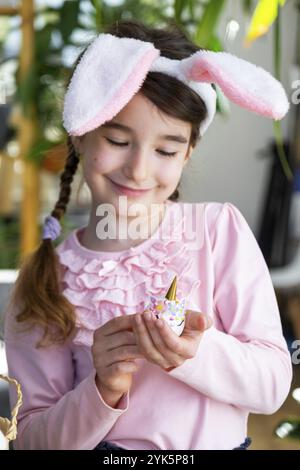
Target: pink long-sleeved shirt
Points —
{"points": [[242, 363]]}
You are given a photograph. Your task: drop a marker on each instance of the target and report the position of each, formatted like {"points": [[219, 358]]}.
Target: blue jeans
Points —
{"points": [[105, 445]]}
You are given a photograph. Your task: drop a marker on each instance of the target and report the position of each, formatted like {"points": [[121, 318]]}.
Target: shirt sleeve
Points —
{"points": [[246, 365], [55, 415]]}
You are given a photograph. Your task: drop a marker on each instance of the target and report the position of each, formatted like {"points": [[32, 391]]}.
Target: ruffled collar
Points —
{"points": [[103, 285]]}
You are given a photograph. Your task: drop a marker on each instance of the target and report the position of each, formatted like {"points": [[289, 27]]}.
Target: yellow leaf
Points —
{"points": [[264, 15]]}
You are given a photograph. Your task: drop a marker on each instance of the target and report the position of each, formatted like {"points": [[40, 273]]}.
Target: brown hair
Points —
{"points": [[37, 292]]}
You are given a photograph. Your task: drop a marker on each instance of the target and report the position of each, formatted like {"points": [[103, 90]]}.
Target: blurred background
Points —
{"points": [[253, 163]]}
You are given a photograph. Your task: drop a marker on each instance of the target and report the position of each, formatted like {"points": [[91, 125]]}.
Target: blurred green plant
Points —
{"points": [[9, 243]]}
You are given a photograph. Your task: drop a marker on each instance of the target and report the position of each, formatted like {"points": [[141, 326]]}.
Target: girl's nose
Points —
{"points": [[137, 166]]}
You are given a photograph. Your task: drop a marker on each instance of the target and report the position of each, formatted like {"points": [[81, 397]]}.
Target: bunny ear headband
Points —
{"points": [[113, 69]]}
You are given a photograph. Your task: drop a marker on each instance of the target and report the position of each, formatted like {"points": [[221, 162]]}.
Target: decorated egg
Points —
{"points": [[169, 308]]}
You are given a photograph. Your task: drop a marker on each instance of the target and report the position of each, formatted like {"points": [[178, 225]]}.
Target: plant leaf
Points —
{"points": [[263, 17], [208, 23], [68, 19], [179, 6]]}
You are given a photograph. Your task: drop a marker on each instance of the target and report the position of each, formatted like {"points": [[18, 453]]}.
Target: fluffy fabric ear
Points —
{"points": [[110, 72], [245, 84]]}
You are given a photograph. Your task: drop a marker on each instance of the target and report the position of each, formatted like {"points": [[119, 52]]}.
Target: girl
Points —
{"points": [[97, 370]]}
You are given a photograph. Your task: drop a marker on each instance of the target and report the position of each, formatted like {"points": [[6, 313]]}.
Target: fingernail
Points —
{"points": [[147, 315], [159, 323]]}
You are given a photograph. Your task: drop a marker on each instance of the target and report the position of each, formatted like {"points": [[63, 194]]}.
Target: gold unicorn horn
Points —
{"points": [[171, 294]]}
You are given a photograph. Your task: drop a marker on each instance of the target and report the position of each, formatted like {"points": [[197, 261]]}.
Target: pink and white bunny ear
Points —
{"points": [[245, 84], [113, 69], [110, 72]]}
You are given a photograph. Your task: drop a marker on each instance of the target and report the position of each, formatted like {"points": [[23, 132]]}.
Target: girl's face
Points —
{"points": [[141, 148]]}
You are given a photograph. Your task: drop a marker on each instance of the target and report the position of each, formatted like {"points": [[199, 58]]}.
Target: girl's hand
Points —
{"points": [[161, 346], [114, 351]]}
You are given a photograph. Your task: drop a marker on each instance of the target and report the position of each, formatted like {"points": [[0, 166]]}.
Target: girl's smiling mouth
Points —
{"points": [[128, 191]]}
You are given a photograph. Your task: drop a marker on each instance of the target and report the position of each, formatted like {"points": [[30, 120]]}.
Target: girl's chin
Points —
{"points": [[132, 209]]}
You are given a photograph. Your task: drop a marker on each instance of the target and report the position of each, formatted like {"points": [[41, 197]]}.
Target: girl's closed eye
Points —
{"points": [[124, 144], [114, 142]]}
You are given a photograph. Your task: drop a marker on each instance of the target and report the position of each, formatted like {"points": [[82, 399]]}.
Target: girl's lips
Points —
{"points": [[128, 192]]}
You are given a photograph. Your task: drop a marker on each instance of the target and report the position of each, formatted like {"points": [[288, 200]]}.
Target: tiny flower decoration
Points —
{"points": [[169, 308]]}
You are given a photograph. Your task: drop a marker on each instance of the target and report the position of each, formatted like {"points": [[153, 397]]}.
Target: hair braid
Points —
{"points": [[66, 181], [37, 292]]}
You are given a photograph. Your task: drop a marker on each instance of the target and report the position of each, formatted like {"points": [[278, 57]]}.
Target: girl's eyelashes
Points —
{"points": [[123, 144], [113, 142], [167, 154]]}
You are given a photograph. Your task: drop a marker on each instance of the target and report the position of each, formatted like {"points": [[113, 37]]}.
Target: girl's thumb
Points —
{"points": [[198, 321]]}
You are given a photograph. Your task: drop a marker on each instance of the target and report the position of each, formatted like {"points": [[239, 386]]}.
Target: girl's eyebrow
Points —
{"points": [[116, 125]]}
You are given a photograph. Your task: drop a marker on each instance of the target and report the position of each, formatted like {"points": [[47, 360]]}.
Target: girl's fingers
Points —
{"points": [[105, 344], [124, 367], [125, 353], [197, 321], [145, 342], [158, 331], [121, 323], [172, 341], [124, 338]]}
